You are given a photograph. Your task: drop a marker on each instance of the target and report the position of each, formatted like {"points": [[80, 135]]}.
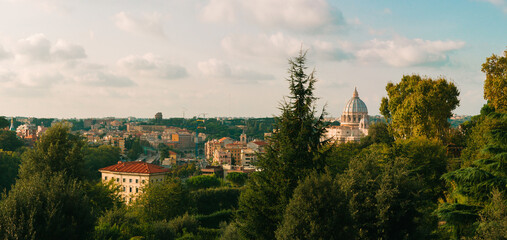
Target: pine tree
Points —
{"points": [[295, 150]]}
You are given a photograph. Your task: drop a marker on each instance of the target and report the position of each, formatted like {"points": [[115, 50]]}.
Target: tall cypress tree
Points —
{"points": [[295, 150]]}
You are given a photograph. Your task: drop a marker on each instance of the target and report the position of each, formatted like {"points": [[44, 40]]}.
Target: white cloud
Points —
{"points": [[218, 69], [6, 76], [331, 50], [28, 76], [39, 79], [402, 52], [147, 24], [280, 47], [220, 10], [51, 6], [214, 68], [150, 65], [66, 51], [295, 14], [29, 82], [298, 15], [38, 48], [502, 4], [3, 53], [276, 46], [103, 79]]}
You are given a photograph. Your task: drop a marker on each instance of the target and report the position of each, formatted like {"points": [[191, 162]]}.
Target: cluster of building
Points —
{"points": [[28, 131], [225, 155], [234, 155], [231, 155], [177, 138]]}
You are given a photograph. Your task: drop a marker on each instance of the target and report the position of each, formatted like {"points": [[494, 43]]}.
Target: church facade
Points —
{"points": [[354, 122]]}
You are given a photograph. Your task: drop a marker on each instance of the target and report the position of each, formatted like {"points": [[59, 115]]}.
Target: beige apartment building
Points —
{"points": [[132, 177]]}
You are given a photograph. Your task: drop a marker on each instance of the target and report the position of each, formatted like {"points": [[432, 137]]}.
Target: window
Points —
{"points": [[137, 180], [143, 181], [118, 180], [137, 190], [130, 189], [124, 189], [130, 180], [124, 180], [105, 178]]}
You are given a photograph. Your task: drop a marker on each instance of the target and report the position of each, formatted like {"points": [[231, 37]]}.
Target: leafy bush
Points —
{"points": [[202, 181], [184, 224], [207, 201], [237, 178], [213, 220]]}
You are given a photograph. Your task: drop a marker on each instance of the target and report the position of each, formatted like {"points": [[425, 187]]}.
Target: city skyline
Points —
{"points": [[67, 59]]}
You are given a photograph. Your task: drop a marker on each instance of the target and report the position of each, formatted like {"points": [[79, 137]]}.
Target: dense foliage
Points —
{"points": [[98, 157], [9, 165], [9, 141], [3, 122], [419, 106], [495, 85]]}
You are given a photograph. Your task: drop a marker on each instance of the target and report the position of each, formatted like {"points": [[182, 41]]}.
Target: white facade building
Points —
{"points": [[354, 122]]}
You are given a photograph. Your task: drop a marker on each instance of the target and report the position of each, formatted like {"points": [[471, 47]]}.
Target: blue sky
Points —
{"points": [[97, 58]]}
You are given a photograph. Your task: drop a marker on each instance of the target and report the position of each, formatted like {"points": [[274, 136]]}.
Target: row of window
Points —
{"points": [[118, 180], [130, 180], [130, 189]]}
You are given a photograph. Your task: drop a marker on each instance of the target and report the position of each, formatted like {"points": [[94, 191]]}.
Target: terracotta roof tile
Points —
{"points": [[135, 167], [260, 143]]}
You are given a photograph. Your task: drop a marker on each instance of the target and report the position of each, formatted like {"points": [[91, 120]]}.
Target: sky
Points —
{"points": [[217, 58]]}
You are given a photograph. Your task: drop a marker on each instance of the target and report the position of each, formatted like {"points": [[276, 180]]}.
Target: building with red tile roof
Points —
{"points": [[132, 177]]}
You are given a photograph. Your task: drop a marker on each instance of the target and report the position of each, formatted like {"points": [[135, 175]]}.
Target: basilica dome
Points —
{"points": [[355, 110]]}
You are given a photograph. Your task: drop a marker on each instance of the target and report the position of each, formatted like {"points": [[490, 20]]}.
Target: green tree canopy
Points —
{"points": [[427, 160], [9, 141], [135, 149], [202, 181], [383, 196], [57, 151], [378, 133], [495, 86], [4, 122], [419, 106], [43, 206], [163, 200], [237, 178], [317, 210], [9, 164], [98, 157], [493, 219]]}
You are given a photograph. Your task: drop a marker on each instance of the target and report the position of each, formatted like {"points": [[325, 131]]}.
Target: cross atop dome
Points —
{"points": [[355, 93]]}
